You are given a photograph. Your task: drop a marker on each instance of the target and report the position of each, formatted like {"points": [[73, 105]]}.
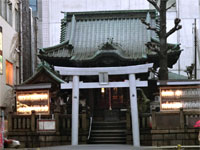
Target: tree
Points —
{"points": [[162, 33]]}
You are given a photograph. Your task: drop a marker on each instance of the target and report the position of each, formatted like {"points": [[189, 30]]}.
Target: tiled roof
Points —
{"points": [[175, 76], [87, 32], [48, 70], [87, 36], [61, 50]]}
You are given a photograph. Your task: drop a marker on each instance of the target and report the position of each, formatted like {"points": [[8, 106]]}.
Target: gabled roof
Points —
{"points": [[54, 75]]}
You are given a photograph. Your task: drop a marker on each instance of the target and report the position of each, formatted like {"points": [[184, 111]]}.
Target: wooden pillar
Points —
{"points": [[10, 122], [128, 120], [84, 127], [84, 121], [91, 100], [153, 119], [134, 110], [110, 99], [33, 121], [182, 122], [75, 110], [56, 113], [128, 127]]}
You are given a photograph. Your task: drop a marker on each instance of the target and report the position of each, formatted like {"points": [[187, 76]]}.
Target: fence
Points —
{"points": [[29, 122]]}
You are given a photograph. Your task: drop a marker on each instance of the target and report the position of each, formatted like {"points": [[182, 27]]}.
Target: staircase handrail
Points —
{"points": [[90, 128]]}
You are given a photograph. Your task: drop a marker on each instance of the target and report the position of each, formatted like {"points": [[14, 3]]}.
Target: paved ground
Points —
{"points": [[106, 147], [86, 147], [94, 147]]}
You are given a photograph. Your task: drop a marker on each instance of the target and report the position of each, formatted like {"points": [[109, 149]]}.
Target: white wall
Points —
{"points": [[9, 53], [188, 11]]}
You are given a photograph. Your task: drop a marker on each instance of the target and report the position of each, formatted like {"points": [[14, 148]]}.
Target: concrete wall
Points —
{"points": [[10, 43], [187, 11], [175, 137], [26, 40]]}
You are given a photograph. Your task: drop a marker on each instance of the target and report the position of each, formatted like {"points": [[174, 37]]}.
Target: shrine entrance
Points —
{"points": [[109, 104], [104, 73], [112, 98]]}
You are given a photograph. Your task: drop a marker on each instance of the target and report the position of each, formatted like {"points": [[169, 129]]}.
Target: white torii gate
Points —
{"points": [[132, 83]]}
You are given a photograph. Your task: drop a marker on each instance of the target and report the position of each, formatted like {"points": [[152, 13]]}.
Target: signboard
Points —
{"points": [[173, 98], [28, 101], [46, 125]]}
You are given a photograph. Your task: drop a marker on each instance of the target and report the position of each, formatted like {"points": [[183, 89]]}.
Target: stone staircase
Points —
{"points": [[104, 132]]}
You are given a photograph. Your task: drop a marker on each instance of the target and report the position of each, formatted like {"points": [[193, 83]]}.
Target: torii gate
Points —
{"points": [[132, 83]]}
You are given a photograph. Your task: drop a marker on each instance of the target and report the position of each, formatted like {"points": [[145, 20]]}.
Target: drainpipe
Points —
{"points": [[195, 49], [36, 40], [20, 44]]}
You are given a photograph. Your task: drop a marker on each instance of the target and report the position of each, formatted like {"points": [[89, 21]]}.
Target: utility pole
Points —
{"points": [[195, 49]]}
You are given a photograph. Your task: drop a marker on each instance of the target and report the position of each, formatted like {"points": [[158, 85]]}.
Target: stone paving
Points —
{"points": [[107, 147], [88, 147]]}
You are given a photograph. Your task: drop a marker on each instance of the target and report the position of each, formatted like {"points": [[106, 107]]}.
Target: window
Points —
{"points": [[1, 8], [10, 13], [5, 9], [1, 51], [9, 73], [33, 5], [16, 20]]}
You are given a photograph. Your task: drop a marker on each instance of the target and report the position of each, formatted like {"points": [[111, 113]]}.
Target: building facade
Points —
{"points": [[9, 52], [17, 51]]}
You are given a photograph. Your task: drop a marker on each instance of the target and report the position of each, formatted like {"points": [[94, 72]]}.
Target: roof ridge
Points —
{"points": [[48, 69], [64, 43], [109, 11]]}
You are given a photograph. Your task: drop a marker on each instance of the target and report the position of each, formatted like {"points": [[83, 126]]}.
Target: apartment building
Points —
{"points": [[16, 49], [9, 50]]}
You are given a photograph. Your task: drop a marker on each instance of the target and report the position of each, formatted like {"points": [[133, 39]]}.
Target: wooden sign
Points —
{"points": [[36, 100], [46, 125], [187, 97]]}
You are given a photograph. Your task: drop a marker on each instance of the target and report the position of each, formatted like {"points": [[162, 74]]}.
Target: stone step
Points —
{"points": [[108, 138], [107, 127], [108, 142], [109, 123], [107, 135], [108, 131]]}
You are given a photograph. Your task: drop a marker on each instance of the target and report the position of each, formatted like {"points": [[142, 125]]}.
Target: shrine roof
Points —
{"points": [[51, 73], [87, 36]]}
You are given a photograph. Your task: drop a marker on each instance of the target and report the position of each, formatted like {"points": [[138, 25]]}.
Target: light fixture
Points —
{"points": [[102, 90], [166, 93]]}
